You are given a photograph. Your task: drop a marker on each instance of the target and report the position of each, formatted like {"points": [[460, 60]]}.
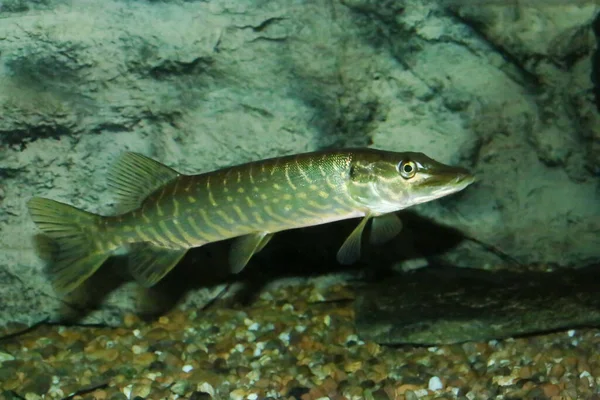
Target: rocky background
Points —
{"points": [[504, 89]]}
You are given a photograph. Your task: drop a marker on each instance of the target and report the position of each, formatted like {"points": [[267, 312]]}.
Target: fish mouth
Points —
{"points": [[452, 179], [464, 178]]}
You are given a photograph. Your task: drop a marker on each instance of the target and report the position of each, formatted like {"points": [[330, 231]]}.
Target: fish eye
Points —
{"points": [[407, 169]]}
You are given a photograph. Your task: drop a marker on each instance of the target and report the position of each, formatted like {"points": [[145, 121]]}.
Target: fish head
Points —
{"points": [[386, 182]]}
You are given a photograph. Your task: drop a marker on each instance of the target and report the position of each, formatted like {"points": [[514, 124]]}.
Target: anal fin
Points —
{"points": [[244, 247], [148, 263]]}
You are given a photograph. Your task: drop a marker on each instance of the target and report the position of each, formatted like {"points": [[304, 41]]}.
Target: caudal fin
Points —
{"points": [[73, 230]]}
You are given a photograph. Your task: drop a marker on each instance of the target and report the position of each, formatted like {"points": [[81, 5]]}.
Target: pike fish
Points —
{"points": [[165, 213]]}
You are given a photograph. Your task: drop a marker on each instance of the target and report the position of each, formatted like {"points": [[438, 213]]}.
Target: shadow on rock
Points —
{"points": [[445, 305]]}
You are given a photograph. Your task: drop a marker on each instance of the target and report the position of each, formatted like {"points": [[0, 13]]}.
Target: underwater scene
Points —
{"points": [[299, 199]]}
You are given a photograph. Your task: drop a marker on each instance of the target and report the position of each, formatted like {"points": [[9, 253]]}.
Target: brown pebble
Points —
{"points": [[156, 334], [380, 395], [525, 372], [130, 320], [329, 385], [99, 394], [550, 389], [583, 366], [403, 388], [569, 361], [178, 318], [104, 354], [262, 383], [410, 395], [529, 385], [171, 360], [557, 371], [584, 383], [144, 359]]}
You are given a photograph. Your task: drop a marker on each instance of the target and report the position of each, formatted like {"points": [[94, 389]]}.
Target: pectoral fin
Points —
{"points": [[244, 247], [148, 264], [350, 250], [384, 228]]}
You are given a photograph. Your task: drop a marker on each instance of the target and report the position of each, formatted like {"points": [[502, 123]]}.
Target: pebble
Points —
{"points": [[435, 383], [99, 394], [410, 395], [209, 355], [402, 389], [144, 359], [6, 357], [130, 320], [142, 389], [180, 387], [525, 372], [557, 371], [237, 394]]}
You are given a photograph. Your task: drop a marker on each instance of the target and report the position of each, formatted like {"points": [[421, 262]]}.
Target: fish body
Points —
{"points": [[166, 213], [265, 196]]}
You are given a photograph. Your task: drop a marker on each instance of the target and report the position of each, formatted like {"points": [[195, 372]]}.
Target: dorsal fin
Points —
{"points": [[134, 176]]}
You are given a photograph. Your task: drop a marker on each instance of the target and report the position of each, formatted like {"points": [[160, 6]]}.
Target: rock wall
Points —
{"points": [[502, 89]]}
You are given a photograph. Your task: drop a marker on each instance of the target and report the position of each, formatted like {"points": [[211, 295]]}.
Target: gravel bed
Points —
{"points": [[295, 342]]}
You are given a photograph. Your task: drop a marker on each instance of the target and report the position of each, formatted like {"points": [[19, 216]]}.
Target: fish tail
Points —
{"points": [[73, 231]]}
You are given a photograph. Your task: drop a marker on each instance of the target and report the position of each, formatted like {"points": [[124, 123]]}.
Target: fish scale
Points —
{"points": [[165, 213], [274, 197]]}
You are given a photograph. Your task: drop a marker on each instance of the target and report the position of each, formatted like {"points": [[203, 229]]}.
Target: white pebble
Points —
{"points": [[240, 347], [284, 337], [253, 375], [187, 368], [270, 327], [207, 388], [137, 333], [137, 349], [254, 326], [252, 396], [435, 383], [571, 332], [586, 374], [259, 348], [352, 338], [503, 380], [127, 391], [237, 394]]}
